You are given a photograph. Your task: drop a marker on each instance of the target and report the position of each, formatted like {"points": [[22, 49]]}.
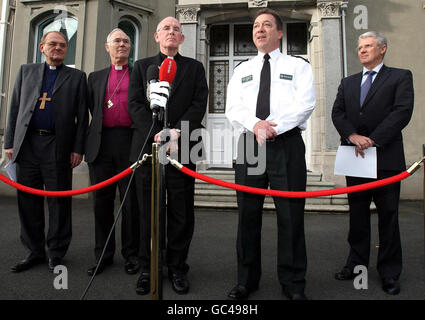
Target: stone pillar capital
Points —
{"points": [[187, 14], [330, 9], [257, 3]]}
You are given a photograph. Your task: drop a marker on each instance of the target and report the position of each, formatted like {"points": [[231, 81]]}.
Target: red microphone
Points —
{"points": [[168, 70]]}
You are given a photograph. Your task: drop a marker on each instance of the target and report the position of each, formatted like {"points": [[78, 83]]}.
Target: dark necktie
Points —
{"points": [[263, 99], [366, 86]]}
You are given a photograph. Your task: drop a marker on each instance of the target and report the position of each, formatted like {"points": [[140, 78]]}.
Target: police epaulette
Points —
{"points": [[301, 58], [241, 62]]}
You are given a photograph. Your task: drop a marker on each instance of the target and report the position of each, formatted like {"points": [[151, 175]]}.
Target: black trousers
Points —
{"points": [[112, 159], [386, 200], [37, 168], [285, 169], [180, 219]]}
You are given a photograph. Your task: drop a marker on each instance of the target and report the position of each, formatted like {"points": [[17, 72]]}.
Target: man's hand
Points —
{"points": [[172, 145], [263, 131], [361, 143], [76, 159], [9, 153]]}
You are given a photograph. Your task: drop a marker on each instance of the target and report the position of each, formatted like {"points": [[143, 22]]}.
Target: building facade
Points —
{"points": [[218, 33]]}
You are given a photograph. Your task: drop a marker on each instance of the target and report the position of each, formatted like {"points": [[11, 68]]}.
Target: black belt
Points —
{"points": [[293, 132], [43, 132]]}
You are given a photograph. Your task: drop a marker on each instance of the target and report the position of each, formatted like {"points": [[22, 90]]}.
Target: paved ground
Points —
{"points": [[213, 259]]}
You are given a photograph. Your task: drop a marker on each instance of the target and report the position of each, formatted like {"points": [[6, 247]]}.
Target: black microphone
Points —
{"points": [[152, 74]]}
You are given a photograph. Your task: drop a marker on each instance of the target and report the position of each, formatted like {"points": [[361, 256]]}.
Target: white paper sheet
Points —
{"points": [[347, 164], [10, 168]]}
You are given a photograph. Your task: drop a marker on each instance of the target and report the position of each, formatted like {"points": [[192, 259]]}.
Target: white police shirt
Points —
{"points": [[292, 97]]}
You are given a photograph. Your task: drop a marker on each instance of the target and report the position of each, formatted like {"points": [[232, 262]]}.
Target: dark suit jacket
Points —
{"points": [[386, 110], [187, 101], [96, 99], [70, 109]]}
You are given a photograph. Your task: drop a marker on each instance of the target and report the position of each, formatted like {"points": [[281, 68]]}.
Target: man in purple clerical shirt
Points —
{"points": [[107, 154]]}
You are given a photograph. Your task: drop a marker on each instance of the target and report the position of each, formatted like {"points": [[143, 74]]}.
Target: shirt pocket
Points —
{"points": [[282, 89]]}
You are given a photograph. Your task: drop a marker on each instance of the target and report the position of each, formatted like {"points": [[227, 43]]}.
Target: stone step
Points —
{"points": [[229, 175], [319, 208], [270, 206], [311, 185], [209, 195], [228, 195]]}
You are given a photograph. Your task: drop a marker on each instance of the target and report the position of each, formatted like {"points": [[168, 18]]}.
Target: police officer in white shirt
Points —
{"points": [[269, 99]]}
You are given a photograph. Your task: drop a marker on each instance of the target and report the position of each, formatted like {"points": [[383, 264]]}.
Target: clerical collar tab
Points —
{"points": [[52, 67], [118, 67]]}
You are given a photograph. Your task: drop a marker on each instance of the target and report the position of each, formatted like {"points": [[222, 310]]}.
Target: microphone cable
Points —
{"points": [[117, 217]]}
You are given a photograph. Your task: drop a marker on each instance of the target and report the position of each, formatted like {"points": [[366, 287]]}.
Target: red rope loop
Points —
{"points": [[67, 193], [297, 194]]}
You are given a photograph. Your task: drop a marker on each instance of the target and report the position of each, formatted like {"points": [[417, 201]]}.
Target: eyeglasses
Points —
{"points": [[54, 44], [168, 28], [119, 40]]}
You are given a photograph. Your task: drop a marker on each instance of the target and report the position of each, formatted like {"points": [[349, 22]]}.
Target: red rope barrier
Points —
{"points": [[297, 194], [67, 193]]}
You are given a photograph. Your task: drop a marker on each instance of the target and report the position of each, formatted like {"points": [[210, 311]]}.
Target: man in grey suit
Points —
{"points": [[45, 135], [108, 152]]}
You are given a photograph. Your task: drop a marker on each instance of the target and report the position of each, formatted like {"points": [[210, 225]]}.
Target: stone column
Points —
{"points": [[330, 68], [330, 20], [188, 17]]}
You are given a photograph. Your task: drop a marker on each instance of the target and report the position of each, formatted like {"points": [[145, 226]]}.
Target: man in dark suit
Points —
{"points": [[186, 108], [107, 153], [371, 109], [45, 136]]}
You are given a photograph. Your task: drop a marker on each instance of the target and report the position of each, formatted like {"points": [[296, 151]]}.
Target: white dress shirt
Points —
{"points": [[376, 69], [292, 97]]}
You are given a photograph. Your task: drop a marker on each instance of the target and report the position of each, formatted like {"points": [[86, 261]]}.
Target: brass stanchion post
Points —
{"points": [[156, 278]]}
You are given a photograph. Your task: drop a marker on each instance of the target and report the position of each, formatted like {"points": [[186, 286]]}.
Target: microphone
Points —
{"points": [[152, 74], [168, 70]]}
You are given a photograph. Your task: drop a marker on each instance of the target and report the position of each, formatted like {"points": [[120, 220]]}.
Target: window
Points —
{"points": [[68, 26], [297, 38], [132, 31], [231, 43]]}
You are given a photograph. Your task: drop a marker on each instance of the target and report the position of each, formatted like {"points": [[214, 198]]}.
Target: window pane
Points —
{"points": [[244, 46], [130, 30], [68, 26], [219, 77], [297, 38], [219, 39]]}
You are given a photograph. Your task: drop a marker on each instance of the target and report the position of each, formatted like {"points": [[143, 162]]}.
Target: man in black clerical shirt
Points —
{"points": [[45, 136]]}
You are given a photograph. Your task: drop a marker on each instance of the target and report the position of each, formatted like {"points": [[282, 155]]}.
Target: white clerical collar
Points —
{"points": [[52, 67], [118, 67]]}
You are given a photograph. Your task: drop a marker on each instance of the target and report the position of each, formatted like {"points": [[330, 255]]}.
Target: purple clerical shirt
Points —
{"points": [[117, 115]]}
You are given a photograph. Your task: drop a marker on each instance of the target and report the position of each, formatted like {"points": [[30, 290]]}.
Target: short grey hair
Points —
{"points": [[108, 38], [380, 38]]}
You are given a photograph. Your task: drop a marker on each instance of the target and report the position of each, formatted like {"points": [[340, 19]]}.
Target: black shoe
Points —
{"points": [[102, 266], [53, 262], [179, 282], [29, 262], [143, 285], [391, 286], [132, 265], [345, 274], [241, 292]]}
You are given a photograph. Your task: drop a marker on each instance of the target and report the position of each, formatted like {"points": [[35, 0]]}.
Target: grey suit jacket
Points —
{"points": [[70, 109]]}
